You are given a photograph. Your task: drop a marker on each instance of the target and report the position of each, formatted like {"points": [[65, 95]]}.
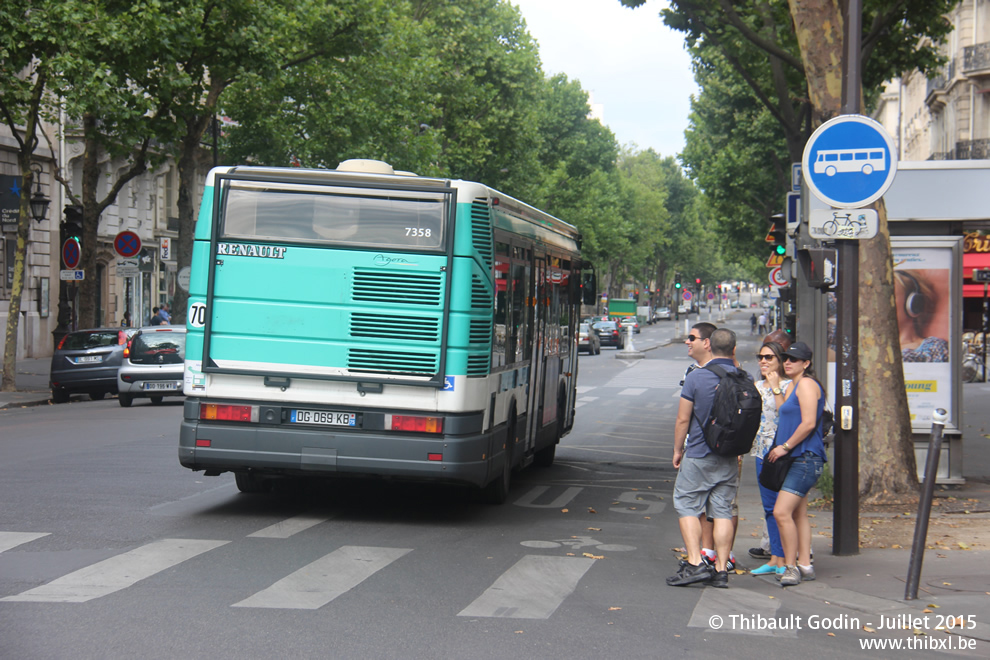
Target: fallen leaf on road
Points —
{"points": [[612, 609], [831, 634], [962, 545], [948, 584], [564, 510], [595, 529], [590, 510], [588, 554], [868, 629]]}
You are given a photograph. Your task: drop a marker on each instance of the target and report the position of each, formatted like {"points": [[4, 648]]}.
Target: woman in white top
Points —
{"points": [[771, 389]]}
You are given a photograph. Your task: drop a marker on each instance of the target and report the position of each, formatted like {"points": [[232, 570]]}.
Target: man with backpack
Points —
{"points": [[716, 414]]}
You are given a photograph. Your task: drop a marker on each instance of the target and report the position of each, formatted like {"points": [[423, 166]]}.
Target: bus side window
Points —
{"points": [[500, 353]]}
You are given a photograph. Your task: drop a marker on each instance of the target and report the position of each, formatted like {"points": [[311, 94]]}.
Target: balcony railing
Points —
{"points": [[942, 79], [973, 149], [965, 150], [976, 58]]}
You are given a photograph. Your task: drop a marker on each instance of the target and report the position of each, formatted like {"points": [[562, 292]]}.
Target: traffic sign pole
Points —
{"points": [[846, 497]]}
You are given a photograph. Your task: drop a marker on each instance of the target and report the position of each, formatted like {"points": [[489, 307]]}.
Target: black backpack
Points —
{"points": [[735, 415]]}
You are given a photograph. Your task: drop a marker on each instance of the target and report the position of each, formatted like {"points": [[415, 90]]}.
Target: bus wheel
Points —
{"points": [[497, 492], [544, 457], [249, 483]]}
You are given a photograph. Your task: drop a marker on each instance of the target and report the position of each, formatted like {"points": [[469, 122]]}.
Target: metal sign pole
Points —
{"points": [[845, 516]]}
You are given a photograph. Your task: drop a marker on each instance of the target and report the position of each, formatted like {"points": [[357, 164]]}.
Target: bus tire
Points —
{"points": [[249, 483], [544, 457], [497, 490]]}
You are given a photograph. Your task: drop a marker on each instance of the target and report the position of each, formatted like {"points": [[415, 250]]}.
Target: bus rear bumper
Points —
{"points": [[231, 447]]}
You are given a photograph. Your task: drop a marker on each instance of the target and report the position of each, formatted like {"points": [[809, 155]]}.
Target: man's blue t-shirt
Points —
{"points": [[699, 388]]}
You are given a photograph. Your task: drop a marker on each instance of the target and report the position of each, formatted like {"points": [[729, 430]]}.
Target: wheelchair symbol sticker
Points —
{"points": [[448, 384]]}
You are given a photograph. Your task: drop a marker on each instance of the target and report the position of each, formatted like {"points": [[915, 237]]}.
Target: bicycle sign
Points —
{"points": [[852, 224]]}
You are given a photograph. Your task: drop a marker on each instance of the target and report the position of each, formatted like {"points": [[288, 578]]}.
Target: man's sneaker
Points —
{"points": [[731, 564], [807, 574], [720, 580], [790, 577], [689, 574], [759, 553]]}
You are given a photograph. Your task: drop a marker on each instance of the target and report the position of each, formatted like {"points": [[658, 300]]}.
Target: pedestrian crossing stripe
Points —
{"points": [[318, 583], [10, 540], [532, 589], [116, 573]]}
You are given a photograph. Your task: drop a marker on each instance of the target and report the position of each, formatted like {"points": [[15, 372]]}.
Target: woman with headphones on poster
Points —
{"points": [[915, 300]]}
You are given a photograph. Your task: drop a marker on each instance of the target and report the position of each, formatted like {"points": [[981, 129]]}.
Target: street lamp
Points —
{"points": [[39, 203]]}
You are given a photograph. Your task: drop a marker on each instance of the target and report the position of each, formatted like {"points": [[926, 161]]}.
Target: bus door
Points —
{"points": [[537, 363]]}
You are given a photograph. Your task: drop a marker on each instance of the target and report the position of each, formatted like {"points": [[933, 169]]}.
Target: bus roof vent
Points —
{"points": [[365, 166]]}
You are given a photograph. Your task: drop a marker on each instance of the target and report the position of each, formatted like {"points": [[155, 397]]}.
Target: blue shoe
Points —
{"points": [[766, 569]]}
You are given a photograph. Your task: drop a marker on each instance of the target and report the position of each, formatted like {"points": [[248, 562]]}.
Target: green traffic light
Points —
{"points": [[781, 250], [677, 285]]}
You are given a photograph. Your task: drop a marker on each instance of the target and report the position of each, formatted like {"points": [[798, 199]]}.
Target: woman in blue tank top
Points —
{"points": [[799, 431]]}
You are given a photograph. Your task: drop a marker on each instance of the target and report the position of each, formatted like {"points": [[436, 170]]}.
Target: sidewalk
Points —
{"points": [[32, 384]]}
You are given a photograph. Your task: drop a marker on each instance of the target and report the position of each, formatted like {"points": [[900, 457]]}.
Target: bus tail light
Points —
{"points": [[414, 423], [228, 413]]}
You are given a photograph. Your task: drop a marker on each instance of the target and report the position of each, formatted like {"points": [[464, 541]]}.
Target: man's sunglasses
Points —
{"points": [[693, 338]]}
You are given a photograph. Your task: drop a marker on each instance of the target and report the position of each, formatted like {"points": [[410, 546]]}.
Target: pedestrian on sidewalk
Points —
{"points": [[799, 430], [763, 322], [771, 388], [706, 482], [752, 324], [126, 322]]}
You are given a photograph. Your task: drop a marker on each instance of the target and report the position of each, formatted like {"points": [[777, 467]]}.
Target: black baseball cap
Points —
{"points": [[798, 350]]}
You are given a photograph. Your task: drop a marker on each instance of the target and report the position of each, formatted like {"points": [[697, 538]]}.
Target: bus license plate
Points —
{"points": [[168, 386], [322, 417]]}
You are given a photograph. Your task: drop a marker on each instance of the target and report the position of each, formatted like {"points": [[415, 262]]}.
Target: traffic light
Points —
{"points": [[697, 281], [790, 323], [778, 239], [73, 222], [677, 281]]}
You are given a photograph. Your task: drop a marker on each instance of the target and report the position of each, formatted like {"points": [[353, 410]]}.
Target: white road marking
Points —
{"points": [[562, 500], [286, 528], [746, 605], [581, 389], [10, 540], [116, 573], [532, 589], [318, 583], [632, 391]]}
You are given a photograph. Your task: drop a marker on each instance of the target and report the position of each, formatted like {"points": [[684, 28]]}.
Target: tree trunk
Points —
{"points": [[86, 312], [888, 472], [9, 380]]}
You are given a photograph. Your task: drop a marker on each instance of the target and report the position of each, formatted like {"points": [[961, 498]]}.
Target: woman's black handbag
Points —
{"points": [[772, 475]]}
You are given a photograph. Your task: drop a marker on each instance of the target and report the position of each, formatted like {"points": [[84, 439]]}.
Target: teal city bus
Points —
{"points": [[372, 323]]}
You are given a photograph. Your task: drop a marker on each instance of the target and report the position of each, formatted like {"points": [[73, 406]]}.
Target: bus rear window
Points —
{"points": [[380, 219]]}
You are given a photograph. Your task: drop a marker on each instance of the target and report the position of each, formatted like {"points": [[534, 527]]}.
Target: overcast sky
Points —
{"points": [[629, 61]]}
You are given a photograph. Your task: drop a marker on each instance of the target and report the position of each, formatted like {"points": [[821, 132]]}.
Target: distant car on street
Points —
{"points": [[630, 321], [609, 333], [86, 362], [153, 365], [662, 314], [588, 340]]}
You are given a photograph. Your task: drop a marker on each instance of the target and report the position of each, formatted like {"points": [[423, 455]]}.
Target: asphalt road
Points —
{"points": [[110, 549]]}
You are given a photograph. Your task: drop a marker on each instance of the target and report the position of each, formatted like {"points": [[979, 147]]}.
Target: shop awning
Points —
{"points": [[973, 260]]}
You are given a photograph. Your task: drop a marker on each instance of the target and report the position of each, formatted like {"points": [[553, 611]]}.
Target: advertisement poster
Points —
{"points": [[925, 308], [927, 296]]}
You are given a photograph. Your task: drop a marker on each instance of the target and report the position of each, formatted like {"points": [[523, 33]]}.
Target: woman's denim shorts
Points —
{"points": [[803, 474]]}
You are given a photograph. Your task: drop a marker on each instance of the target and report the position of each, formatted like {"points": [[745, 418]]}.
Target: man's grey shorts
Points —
{"points": [[706, 484]]}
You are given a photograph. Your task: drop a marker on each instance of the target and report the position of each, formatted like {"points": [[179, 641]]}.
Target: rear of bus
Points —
{"points": [[335, 321]]}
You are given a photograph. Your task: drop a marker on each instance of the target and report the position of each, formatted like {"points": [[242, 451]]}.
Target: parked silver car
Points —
{"points": [[86, 362], [153, 364]]}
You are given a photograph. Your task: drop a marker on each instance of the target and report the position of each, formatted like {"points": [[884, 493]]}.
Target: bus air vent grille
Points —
{"points": [[407, 328], [392, 362], [477, 364], [389, 287], [480, 297], [480, 332], [481, 231]]}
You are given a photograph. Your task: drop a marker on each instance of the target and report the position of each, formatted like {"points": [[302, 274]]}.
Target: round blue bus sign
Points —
{"points": [[849, 162]]}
